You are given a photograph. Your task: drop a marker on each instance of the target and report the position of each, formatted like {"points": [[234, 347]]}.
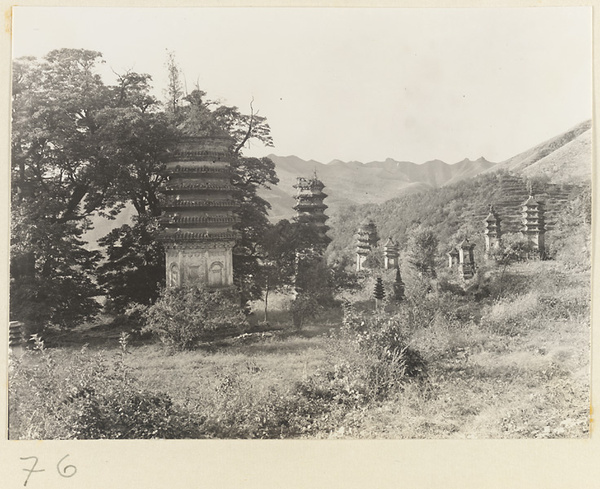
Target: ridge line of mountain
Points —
{"points": [[481, 160]]}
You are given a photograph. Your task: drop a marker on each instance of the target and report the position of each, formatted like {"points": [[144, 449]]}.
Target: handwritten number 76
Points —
{"points": [[64, 471]]}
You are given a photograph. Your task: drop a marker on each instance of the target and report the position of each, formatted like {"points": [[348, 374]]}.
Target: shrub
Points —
{"points": [[515, 248], [343, 383], [183, 316], [85, 397], [304, 306], [369, 358], [240, 409], [384, 336]]}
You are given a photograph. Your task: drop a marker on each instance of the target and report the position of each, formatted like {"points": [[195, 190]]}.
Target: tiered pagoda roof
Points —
{"points": [[532, 216], [492, 223], [362, 244], [369, 230], [391, 248], [200, 201], [310, 196], [310, 207]]}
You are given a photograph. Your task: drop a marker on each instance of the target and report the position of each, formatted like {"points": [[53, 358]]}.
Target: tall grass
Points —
{"points": [[439, 365]]}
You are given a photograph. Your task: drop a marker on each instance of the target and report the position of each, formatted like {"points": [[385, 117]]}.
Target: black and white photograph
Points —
{"points": [[300, 224]]}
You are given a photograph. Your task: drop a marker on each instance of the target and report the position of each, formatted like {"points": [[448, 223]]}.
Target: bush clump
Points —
{"points": [[241, 407], [370, 358], [183, 316], [386, 337], [83, 396]]}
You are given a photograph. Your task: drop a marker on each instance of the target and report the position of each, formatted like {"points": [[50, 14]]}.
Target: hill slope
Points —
{"points": [[453, 211], [564, 158]]}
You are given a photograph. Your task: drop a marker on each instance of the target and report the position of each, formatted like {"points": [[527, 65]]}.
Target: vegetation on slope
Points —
{"points": [[453, 212]]}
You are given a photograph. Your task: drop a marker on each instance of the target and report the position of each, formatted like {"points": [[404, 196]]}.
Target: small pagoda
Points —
{"points": [[199, 213], [391, 252], [534, 224], [466, 260], [367, 239], [362, 250], [493, 232], [462, 257], [310, 209]]}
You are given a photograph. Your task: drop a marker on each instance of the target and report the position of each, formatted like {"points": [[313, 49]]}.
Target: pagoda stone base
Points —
{"points": [[536, 239], [205, 264], [360, 259], [466, 271]]}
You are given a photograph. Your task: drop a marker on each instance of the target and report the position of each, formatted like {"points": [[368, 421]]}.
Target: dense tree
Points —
{"points": [[142, 136], [81, 147], [61, 174], [342, 267], [249, 174], [51, 280], [134, 267], [58, 150], [140, 141], [277, 259], [422, 251]]}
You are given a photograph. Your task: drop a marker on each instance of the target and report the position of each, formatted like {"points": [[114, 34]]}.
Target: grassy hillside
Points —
{"points": [[564, 158], [571, 162]]}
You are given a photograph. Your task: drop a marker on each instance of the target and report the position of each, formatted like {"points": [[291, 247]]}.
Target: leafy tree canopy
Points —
{"points": [[81, 147]]}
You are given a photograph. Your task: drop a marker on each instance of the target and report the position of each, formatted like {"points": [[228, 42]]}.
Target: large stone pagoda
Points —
{"points": [[198, 217]]}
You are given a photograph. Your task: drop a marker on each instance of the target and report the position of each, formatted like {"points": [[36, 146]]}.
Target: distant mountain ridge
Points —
{"points": [[358, 183], [564, 159]]}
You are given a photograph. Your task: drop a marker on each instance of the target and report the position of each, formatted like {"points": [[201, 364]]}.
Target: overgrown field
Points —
{"points": [[440, 365]]}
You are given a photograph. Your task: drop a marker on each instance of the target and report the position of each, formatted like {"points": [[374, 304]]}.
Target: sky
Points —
{"points": [[361, 84]]}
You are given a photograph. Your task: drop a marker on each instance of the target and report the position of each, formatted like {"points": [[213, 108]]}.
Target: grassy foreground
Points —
{"points": [[519, 368]]}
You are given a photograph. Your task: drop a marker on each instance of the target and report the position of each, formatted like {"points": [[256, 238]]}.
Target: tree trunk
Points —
{"points": [[267, 300]]}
